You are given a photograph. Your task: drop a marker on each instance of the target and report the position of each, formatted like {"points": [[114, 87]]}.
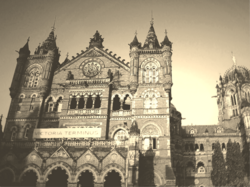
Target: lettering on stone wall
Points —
{"points": [[67, 133]]}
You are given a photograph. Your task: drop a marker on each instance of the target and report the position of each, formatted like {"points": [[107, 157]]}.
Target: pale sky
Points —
{"points": [[203, 32]]}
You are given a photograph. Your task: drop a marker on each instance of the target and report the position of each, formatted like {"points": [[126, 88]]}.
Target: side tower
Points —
{"points": [[233, 93], [150, 84], [31, 84]]}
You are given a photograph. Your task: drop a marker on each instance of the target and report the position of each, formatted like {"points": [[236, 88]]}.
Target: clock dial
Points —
{"points": [[91, 69]]}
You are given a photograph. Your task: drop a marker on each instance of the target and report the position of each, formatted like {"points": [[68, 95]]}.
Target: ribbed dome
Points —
{"points": [[242, 73]]}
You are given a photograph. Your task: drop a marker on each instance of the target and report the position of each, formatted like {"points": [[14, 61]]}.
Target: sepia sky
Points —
{"points": [[203, 32]]}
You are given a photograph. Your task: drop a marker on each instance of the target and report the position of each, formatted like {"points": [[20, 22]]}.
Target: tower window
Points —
{"points": [[116, 103], [13, 134], [26, 132], [201, 147], [120, 135], [73, 102], [150, 73], [154, 143], [33, 78]]}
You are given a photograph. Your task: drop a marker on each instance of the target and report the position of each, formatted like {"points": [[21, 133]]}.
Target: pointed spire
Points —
{"points": [[135, 42], [48, 44], [66, 59], [166, 41], [96, 41], [25, 49], [151, 41], [234, 59]]}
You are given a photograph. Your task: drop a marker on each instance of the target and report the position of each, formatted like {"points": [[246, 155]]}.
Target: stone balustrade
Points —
{"points": [[88, 81], [70, 143], [84, 111], [121, 112]]}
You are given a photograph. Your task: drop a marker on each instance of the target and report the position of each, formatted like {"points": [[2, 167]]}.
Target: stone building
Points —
{"points": [[97, 121]]}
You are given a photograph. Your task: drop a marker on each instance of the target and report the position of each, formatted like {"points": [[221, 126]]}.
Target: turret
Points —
{"points": [[24, 53], [134, 63], [49, 52], [167, 54]]}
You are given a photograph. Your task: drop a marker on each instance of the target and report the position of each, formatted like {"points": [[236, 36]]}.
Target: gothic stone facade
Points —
{"points": [[132, 129]]}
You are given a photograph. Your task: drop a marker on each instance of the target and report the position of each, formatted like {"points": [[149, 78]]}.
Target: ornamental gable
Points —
{"points": [[33, 157], [114, 157], [94, 64], [88, 158]]}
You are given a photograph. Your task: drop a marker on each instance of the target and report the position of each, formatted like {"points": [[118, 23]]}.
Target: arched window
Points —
{"points": [[33, 99], [120, 135], [97, 102], [73, 102], [50, 105], [116, 103], [13, 134], [26, 131], [58, 107], [150, 100], [223, 146], [191, 131], [201, 147], [150, 73], [89, 102], [20, 99], [126, 103], [32, 80], [81, 102], [197, 147], [47, 71], [186, 147], [201, 168]]}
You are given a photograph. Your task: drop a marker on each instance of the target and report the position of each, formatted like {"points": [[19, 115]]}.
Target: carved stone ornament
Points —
{"points": [[33, 157], [133, 157], [61, 153], [93, 54], [113, 157], [196, 181], [150, 130], [91, 69], [88, 157]]}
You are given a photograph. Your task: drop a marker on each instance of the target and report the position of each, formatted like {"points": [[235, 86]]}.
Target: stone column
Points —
{"points": [[93, 103], [70, 99], [85, 101], [77, 101], [121, 105]]}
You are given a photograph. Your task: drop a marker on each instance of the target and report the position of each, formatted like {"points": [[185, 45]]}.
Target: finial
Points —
{"points": [[53, 27], [152, 19], [166, 32], [233, 58], [136, 33], [1, 117], [67, 55], [28, 39]]}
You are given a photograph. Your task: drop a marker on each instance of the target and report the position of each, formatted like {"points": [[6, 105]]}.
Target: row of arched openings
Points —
{"points": [[26, 132], [20, 101], [194, 147], [223, 146], [85, 102], [59, 177], [121, 104]]}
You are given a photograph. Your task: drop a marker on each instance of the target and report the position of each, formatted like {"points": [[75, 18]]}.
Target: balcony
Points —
{"points": [[84, 111], [121, 113]]}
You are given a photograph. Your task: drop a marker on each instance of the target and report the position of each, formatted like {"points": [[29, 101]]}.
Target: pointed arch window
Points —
{"points": [[33, 99], [120, 135], [201, 167], [13, 134], [20, 99], [50, 105], [26, 131], [150, 73], [58, 105], [150, 100], [33, 78]]}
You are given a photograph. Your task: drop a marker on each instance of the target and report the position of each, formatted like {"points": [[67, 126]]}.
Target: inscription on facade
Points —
{"points": [[66, 133]]}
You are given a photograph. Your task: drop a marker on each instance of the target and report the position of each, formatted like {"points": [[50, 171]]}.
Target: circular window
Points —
{"points": [[91, 69]]}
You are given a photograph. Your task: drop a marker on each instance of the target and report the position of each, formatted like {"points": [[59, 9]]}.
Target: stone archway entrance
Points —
{"points": [[113, 179], [6, 178], [29, 178], [86, 179], [58, 177]]}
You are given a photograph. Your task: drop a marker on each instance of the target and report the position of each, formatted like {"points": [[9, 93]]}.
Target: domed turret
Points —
{"points": [[238, 73]]}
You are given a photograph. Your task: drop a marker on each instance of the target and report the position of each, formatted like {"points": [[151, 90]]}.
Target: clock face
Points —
{"points": [[91, 69]]}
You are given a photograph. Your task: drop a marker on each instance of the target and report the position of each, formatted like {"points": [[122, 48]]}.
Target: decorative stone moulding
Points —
{"points": [[84, 111]]}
